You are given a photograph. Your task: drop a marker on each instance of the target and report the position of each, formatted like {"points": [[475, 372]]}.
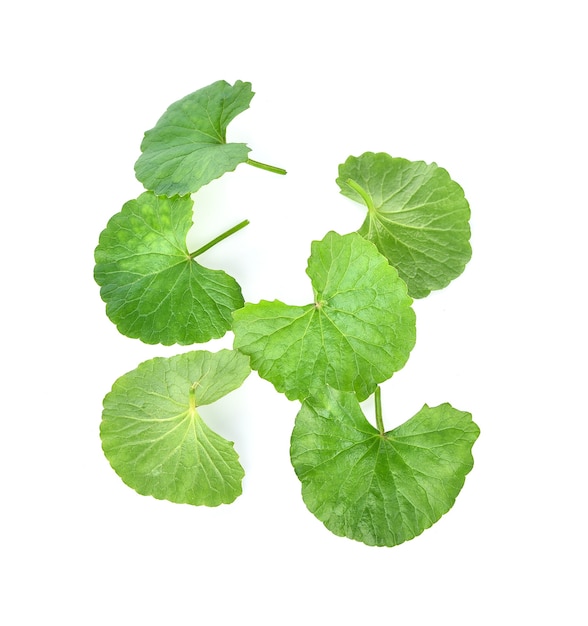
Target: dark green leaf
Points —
{"points": [[152, 288], [381, 489], [188, 146]]}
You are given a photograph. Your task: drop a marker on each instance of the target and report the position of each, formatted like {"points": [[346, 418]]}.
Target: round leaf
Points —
{"points": [[417, 217], [357, 333], [187, 148], [152, 288], [154, 437], [379, 489]]}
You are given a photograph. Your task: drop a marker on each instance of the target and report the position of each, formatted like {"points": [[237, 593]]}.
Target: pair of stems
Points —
{"points": [[240, 225], [278, 170]]}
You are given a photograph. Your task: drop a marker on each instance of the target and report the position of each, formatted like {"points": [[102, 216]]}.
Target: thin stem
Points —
{"points": [[263, 166], [379, 420], [362, 192], [192, 397], [216, 240]]}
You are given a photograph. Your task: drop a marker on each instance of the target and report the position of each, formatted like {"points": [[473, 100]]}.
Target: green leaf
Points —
{"points": [[359, 330], [187, 148], [153, 289], [381, 489], [154, 437], [417, 217]]}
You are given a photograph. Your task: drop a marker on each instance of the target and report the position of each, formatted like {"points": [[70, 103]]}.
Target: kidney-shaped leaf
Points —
{"points": [[154, 437], [359, 330], [153, 289], [381, 489], [417, 217], [187, 148]]}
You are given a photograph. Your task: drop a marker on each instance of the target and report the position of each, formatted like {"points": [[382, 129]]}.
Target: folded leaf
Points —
{"points": [[188, 146], [381, 489], [417, 217], [154, 437]]}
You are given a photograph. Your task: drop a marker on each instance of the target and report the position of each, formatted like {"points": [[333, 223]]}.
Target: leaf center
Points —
{"points": [[192, 400], [363, 193]]}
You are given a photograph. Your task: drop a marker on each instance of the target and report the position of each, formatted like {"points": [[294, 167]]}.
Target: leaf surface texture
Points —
{"points": [[358, 332], [417, 217], [154, 437], [379, 489], [152, 288], [188, 146]]}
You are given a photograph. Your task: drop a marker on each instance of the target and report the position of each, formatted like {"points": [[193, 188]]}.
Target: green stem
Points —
{"points": [[379, 420], [263, 166], [192, 397], [218, 239], [362, 192]]}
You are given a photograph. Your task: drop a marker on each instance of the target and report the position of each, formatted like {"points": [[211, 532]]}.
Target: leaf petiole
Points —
{"points": [[362, 192], [379, 420], [192, 398], [218, 239], [263, 166]]}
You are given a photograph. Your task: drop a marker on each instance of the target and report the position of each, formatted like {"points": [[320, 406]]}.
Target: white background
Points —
{"points": [[492, 91]]}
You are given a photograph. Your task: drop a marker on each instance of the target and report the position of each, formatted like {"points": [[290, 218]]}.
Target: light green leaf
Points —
{"points": [[154, 437], [417, 217], [381, 489], [153, 289], [359, 330], [187, 148]]}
